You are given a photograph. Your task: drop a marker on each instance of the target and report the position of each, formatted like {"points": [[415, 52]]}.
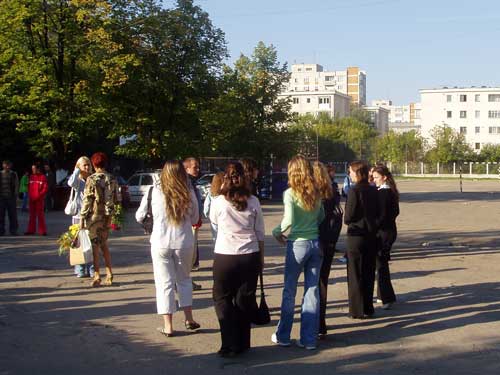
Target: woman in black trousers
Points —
{"points": [[329, 231], [361, 218], [389, 209], [239, 254]]}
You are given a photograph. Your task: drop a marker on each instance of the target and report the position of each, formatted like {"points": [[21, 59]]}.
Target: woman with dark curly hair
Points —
{"points": [[99, 202], [239, 254]]}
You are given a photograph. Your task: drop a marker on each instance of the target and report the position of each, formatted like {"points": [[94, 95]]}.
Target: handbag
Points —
{"points": [[71, 208], [147, 222], [80, 251], [262, 315]]}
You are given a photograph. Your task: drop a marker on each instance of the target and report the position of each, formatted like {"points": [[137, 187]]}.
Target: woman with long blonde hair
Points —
{"points": [[302, 216], [175, 210], [329, 231]]}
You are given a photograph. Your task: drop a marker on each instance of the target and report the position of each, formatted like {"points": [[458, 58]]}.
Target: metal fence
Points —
{"points": [[466, 169]]}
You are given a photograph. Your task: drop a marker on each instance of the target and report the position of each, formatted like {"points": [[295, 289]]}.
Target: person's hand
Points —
{"points": [[198, 224], [281, 239]]}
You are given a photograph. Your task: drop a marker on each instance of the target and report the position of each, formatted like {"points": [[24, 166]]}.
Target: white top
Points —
{"points": [[238, 231], [165, 235]]}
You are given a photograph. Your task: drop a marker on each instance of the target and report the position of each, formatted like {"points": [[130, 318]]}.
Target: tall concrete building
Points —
{"points": [[473, 111], [312, 78], [402, 118]]}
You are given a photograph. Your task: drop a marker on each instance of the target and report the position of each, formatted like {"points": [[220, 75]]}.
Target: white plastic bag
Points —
{"points": [[71, 208], [81, 250]]}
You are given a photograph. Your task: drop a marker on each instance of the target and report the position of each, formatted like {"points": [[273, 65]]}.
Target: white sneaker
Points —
{"points": [[387, 306], [274, 339], [377, 300], [308, 347]]}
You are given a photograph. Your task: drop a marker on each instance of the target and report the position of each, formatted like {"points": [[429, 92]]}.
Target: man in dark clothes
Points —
{"points": [[51, 181], [9, 190]]}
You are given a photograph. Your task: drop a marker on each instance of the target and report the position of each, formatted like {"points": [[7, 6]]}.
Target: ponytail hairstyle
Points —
{"points": [[322, 180], [384, 171], [360, 168], [301, 181], [235, 187]]}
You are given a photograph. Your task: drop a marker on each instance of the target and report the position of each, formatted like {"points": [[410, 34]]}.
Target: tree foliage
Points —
{"points": [[397, 148], [447, 145]]}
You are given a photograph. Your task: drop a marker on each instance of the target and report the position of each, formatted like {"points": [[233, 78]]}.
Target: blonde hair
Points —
{"points": [[300, 179], [174, 184], [84, 159], [216, 184], [322, 180]]}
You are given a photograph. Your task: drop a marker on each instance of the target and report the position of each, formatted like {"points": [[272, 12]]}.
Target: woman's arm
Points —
{"points": [[141, 212], [195, 213], [286, 222], [206, 205], [74, 179]]}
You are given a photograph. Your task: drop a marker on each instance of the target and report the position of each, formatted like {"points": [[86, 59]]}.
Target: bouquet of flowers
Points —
{"points": [[118, 218], [66, 239]]}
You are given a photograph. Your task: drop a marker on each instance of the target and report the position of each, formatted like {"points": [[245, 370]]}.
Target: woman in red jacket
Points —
{"points": [[37, 189]]}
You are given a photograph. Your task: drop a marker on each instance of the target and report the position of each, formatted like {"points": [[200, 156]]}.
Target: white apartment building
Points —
{"points": [[380, 118], [312, 78], [336, 104], [402, 118], [474, 112]]}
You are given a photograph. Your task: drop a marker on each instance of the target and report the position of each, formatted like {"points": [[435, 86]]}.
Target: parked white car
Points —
{"points": [[139, 184]]}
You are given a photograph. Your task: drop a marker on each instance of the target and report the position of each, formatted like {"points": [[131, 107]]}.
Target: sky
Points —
{"points": [[402, 45]]}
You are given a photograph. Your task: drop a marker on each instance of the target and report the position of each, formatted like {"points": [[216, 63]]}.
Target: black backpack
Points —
{"points": [[147, 222]]}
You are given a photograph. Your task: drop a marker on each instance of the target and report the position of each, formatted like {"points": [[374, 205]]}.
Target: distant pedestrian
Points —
{"points": [[329, 231], [83, 169], [251, 175], [37, 190], [175, 210], [51, 183], [215, 188], [239, 256], [23, 190], [360, 216], [99, 203], [347, 185], [303, 214], [9, 191], [389, 209]]}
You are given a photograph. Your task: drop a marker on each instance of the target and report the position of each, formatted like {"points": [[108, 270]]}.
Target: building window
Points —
{"points": [[299, 70], [494, 97], [493, 114], [478, 114], [296, 80], [463, 114], [306, 81], [463, 98], [324, 100], [315, 88], [478, 146], [295, 100], [308, 69], [477, 97], [494, 129], [463, 130], [448, 114], [296, 88], [306, 88], [478, 129], [448, 98], [308, 100]]}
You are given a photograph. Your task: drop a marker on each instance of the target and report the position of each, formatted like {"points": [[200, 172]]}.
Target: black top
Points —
{"points": [[361, 210], [389, 209], [330, 227]]}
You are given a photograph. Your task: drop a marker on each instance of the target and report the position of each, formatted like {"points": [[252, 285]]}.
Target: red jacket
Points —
{"points": [[37, 187]]}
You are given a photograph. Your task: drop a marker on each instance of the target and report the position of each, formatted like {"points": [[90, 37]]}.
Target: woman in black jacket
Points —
{"points": [[388, 197], [361, 218]]}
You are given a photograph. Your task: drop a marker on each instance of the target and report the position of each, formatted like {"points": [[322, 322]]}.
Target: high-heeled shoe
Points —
{"points": [[191, 325]]}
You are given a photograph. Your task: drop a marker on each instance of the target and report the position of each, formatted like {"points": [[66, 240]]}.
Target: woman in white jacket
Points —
{"points": [[175, 210]]}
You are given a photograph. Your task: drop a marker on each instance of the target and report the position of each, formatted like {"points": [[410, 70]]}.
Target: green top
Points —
{"points": [[23, 184], [303, 224]]}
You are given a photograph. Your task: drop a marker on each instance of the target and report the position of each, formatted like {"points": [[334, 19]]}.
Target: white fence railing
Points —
{"points": [[466, 169]]}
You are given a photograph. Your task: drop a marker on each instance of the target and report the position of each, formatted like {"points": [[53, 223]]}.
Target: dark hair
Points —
{"points": [[361, 169], [249, 166], [384, 171], [236, 192], [99, 160]]}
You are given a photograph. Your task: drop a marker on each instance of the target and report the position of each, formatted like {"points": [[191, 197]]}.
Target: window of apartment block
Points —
{"points": [[448, 98], [448, 114], [299, 70], [295, 100], [306, 88], [306, 81], [308, 100], [477, 146], [463, 114], [477, 97], [324, 100], [463, 98], [315, 88], [296, 88], [478, 114], [493, 114], [494, 97], [494, 130], [308, 69], [463, 130], [477, 129], [296, 80]]}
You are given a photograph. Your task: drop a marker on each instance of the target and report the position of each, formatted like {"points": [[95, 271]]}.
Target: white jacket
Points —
{"points": [[165, 235]]}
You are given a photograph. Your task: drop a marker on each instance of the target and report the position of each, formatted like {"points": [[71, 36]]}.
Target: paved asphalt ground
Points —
{"points": [[446, 320]]}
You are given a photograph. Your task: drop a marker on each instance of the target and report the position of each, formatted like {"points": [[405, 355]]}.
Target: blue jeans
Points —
{"points": [[84, 270], [301, 255]]}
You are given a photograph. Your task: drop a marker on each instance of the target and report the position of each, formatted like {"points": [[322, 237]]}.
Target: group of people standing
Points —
{"points": [[309, 229]]}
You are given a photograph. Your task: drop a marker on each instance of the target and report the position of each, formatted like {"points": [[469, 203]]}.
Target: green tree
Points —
{"points": [[447, 145], [490, 153], [397, 148], [57, 59]]}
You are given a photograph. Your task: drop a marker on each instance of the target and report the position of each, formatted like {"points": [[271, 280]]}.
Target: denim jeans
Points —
{"points": [[301, 255]]}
